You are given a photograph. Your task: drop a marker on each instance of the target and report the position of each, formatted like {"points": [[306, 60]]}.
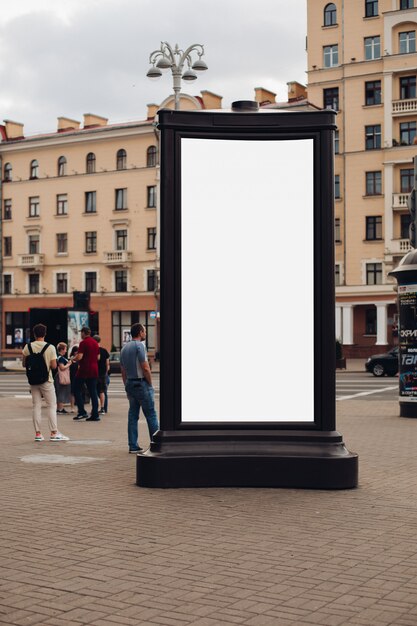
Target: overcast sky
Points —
{"points": [[70, 57]]}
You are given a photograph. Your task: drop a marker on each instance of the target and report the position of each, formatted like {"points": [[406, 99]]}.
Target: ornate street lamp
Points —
{"points": [[175, 59]]}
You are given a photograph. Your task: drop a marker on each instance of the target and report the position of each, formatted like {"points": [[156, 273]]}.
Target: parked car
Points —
{"points": [[383, 364], [114, 362]]}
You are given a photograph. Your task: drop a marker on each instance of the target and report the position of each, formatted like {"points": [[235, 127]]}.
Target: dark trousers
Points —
{"points": [[91, 384]]}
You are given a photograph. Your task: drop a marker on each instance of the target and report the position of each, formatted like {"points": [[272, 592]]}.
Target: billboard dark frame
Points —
{"points": [[182, 452]]}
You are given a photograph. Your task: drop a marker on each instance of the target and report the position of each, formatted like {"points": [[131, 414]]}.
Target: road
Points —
{"points": [[349, 385], [15, 384]]}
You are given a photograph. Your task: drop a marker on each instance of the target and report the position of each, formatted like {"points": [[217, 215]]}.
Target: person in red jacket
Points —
{"points": [[87, 374]]}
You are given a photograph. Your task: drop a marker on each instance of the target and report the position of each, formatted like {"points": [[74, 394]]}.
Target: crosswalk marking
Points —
{"points": [[366, 393]]}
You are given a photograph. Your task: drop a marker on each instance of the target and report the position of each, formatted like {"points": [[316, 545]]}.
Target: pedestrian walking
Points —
{"points": [[103, 370], [87, 374], [137, 379], [39, 358], [62, 379]]}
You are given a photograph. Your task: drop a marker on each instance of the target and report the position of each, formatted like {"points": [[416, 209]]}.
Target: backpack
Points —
{"points": [[36, 369]]}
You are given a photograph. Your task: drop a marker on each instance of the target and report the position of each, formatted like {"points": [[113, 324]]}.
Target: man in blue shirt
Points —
{"points": [[137, 379]]}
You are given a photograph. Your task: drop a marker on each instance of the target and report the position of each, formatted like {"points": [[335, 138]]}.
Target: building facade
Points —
{"points": [[80, 213], [362, 62]]}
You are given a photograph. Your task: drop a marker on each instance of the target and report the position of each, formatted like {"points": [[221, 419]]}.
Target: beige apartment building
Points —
{"points": [[80, 214], [362, 61]]}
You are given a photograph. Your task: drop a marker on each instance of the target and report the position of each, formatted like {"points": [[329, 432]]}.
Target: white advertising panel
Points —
{"points": [[247, 281]]}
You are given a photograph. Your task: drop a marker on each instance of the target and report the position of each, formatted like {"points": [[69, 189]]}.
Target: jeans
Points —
{"points": [[140, 394], [91, 384], [106, 397]]}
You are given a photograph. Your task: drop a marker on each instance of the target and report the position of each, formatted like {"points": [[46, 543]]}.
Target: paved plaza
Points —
{"points": [[82, 544]]}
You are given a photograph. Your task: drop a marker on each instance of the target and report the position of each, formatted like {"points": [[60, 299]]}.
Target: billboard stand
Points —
{"points": [[406, 276], [247, 399]]}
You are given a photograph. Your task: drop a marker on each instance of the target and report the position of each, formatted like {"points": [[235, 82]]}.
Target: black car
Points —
{"points": [[114, 362], [383, 364]]}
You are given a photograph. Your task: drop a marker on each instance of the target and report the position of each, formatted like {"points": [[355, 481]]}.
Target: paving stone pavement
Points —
{"points": [[80, 543]]}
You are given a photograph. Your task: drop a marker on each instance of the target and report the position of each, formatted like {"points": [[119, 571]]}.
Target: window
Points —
{"points": [[370, 321], [406, 180], [331, 98], [90, 163], [337, 186], [124, 319], [372, 48], [34, 206], [150, 280], [330, 15], [151, 197], [405, 226], [337, 274], [91, 241], [407, 87], [34, 169], [120, 280], [408, 42], [374, 273], [407, 133], [62, 204], [121, 199], [62, 243], [62, 166], [151, 238], [7, 246], [330, 55], [33, 244], [372, 92], [373, 227], [7, 284], [151, 156], [91, 281], [34, 283], [371, 8], [373, 137], [7, 172], [373, 183], [61, 282], [336, 142], [337, 236], [7, 209], [121, 160], [121, 239], [406, 4], [90, 202]]}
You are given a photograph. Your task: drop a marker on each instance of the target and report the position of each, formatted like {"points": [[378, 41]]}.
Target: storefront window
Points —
{"points": [[123, 320], [17, 329]]}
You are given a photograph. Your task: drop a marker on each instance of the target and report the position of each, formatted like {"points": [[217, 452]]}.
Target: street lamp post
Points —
{"points": [[174, 59]]}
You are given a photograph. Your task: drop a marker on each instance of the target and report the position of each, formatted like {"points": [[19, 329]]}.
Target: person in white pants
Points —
{"points": [[45, 390]]}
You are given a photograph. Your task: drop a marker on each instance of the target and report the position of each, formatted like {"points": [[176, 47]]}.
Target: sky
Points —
{"points": [[70, 57]]}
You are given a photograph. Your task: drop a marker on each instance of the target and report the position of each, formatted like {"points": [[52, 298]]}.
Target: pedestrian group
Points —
{"points": [[85, 372]]}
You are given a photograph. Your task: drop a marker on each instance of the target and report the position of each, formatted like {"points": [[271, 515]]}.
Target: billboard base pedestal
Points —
{"points": [[237, 458], [408, 409]]}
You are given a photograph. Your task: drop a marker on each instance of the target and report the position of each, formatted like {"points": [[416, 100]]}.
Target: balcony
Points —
{"points": [[399, 201], [399, 246], [118, 258], [32, 262], [404, 107]]}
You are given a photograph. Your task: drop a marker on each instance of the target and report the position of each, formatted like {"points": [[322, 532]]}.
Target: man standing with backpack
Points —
{"points": [[39, 358]]}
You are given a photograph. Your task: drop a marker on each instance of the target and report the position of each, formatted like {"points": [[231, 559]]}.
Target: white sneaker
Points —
{"points": [[39, 437], [58, 437]]}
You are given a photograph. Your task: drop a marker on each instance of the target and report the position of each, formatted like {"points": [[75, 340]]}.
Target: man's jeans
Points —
{"points": [[140, 394], [91, 384]]}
